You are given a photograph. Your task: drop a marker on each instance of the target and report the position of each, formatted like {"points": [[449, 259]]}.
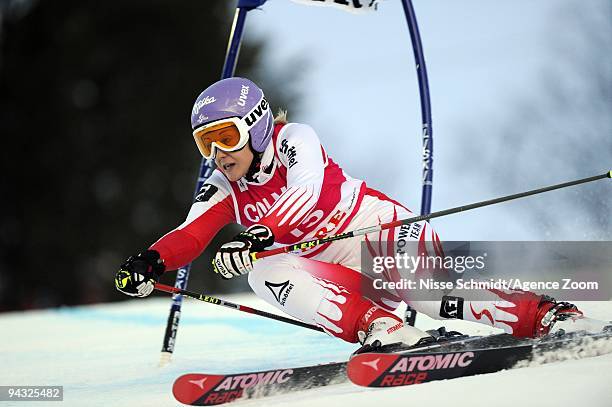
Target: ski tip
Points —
{"points": [[609, 174], [195, 389], [183, 392], [363, 369]]}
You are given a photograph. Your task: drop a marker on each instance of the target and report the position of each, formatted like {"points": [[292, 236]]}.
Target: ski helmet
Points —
{"points": [[236, 98]]}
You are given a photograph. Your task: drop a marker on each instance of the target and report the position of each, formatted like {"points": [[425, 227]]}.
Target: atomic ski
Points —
{"points": [[200, 389], [471, 356], [448, 355]]}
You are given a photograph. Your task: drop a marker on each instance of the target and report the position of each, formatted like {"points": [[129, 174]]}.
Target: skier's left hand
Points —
{"points": [[138, 274], [234, 258]]}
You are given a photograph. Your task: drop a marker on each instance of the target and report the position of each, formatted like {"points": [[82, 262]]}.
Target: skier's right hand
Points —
{"points": [[138, 275], [234, 258]]}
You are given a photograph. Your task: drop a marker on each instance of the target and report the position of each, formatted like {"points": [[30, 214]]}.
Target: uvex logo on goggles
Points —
{"points": [[256, 113]]}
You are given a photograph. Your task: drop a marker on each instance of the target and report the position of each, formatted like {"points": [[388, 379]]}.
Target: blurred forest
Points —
{"points": [[97, 157], [565, 133]]}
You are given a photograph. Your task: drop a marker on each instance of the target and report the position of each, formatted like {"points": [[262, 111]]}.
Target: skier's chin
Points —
{"points": [[232, 173], [233, 178]]}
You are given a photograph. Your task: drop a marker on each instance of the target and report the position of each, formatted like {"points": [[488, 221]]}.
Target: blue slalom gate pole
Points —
{"points": [[206, 169], [419, 60]]}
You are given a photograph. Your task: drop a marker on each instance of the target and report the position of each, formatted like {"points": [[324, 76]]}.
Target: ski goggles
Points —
{"points": [[230, 134]]}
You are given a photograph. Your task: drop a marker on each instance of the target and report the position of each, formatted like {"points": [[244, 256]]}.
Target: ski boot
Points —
{"points": [[380, 330], [559, 318]]}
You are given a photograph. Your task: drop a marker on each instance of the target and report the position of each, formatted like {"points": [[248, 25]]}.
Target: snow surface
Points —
{"points": [[107, 355]]}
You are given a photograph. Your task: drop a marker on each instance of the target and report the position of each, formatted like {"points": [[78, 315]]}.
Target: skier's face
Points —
{"points": [[234, 164]]}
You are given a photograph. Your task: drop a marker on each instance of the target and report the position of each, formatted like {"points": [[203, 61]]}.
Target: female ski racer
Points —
{"points": [[276, 179]]}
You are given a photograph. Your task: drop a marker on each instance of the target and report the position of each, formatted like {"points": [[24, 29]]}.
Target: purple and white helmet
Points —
{"points": [[240, 98]]}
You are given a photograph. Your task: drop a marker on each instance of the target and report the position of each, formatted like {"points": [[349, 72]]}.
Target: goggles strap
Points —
{"points": [[260, 166], [255, 167]]}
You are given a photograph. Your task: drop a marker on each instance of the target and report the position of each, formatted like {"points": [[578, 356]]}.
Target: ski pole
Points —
{"points": [[217, 301], [359, 232]]}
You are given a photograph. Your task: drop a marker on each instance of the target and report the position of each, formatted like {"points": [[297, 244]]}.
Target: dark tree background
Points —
{"points": [[96, 155]]}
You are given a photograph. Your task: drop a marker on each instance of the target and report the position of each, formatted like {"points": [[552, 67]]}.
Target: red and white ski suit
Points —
{"points": [[300, 193]]}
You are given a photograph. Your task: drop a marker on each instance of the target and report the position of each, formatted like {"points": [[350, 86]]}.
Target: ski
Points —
{"points": [[468, 357], [201, 389], [449, 355]]}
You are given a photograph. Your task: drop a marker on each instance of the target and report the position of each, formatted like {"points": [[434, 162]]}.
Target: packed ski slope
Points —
{"points": [[107, 355]]}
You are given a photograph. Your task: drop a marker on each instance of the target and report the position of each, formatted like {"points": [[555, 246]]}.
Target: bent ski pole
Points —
{"points": [[217, 301], [359, 232]]}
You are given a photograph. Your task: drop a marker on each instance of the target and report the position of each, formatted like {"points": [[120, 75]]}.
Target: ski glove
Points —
{"points": [[138, 275], [234, 258]]}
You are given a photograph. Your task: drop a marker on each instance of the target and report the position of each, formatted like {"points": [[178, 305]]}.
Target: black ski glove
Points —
{"points": [[138, 275]]}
